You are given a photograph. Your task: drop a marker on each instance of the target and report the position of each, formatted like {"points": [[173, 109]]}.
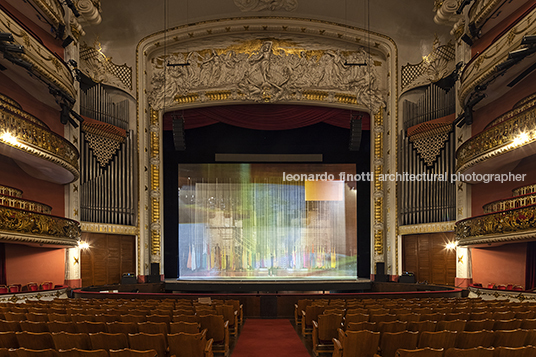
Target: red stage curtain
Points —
{"points": [[266, 116]]}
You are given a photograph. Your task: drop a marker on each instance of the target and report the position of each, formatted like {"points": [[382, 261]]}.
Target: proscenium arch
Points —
{"points": [[296, 39]]}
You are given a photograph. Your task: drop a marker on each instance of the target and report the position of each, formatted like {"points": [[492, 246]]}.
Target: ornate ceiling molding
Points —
{"points": [[267, 60], [270, 5], [483, 67], [52, 9], [45, 64]]}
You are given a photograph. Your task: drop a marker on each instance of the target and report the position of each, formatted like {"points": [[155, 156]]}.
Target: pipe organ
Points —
{"points": [[108, 159], [427, 152]]}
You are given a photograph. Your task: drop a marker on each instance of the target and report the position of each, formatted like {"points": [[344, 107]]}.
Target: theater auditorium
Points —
{"points": [[346, 178]]}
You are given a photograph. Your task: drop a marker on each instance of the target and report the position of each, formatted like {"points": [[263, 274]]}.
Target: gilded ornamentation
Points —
{"points": [[90, 227], [436, 227], [497, 140], [270, 5], [42, 295], [43, 60], [514, 224], [19, 203], [155, 195], [52, 9], [101, 69], [266, 71], [510, 203], [438, 64], [25, 226], [38, 140], [481, 10], [524, 190], [10, 191]]}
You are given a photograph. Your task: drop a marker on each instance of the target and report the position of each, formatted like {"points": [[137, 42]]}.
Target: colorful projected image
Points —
{"points": [[247, 221]]}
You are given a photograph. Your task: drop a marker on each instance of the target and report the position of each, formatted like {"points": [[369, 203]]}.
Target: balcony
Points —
{"points": [[29, 222], [506, 220], [35, 148], [501, 144]]}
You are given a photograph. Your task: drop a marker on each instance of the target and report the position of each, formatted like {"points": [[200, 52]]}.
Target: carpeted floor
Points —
{"points": [[269, 338]]}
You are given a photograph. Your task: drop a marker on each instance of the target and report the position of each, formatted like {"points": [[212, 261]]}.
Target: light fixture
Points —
{"points": [[521, 139], [9, 138], [83, 245], [451, 245], [6, 36]]}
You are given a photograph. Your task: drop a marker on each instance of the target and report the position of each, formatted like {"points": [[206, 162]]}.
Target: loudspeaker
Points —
{"points": [[178, 133], [380, 272], [355, 134]]}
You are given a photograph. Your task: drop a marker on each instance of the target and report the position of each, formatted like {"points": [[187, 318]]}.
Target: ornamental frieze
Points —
{"points": [[269, 70]]}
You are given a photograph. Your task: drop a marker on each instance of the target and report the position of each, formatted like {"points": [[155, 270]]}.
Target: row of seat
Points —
{"points": [[528, 351], [179, 344], [369, 343], [16, 288], [75, 352]]}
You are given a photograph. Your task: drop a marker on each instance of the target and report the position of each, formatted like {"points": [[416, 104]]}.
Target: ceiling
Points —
{"points": [[125, 22]]}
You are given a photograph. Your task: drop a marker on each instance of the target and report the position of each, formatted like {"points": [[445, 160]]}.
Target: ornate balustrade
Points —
{"points": [[497, 140], [19, 225], [26, 134], [26, 205], [524, 190], [510, 225], [510, 203]]}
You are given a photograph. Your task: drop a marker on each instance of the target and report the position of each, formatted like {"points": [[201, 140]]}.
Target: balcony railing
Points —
{"points": [[503, 226], [19, 225]]}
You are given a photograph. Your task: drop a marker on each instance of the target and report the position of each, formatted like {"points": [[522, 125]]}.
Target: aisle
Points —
{"points": [[268, 338]]}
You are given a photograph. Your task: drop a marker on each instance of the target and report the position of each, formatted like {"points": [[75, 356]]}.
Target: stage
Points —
{"points": [[268, 285]]}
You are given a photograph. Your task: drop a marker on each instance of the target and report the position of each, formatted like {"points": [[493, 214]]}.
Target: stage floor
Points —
{"points": [[268, 285]]}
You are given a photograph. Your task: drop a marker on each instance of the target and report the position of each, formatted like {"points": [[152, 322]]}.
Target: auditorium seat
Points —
{"points": [[408, 317], [59, 317], [382, 317], [478, 325], [515, 351], [59, 326], [32, 326], [420, 352], [8, 339], [437, 339], [510, 324], [14, 316], [90, 327], [67, 340], [121, 327], [360, 326], [391, 326], [452, 325], [9, 326], [108, 341], [470, 352], [146, 341], [77, 352], [356, 344], [217, 330], [470, 339], [28, 352], [308, 316], [34, 316], [229, 314], [392, 341], [133, 318], [153, 327], [421, 326], [188, 327], [35, 340], [127, 352], [186, 345], [324, 330], [185, 318], [510, 338]]}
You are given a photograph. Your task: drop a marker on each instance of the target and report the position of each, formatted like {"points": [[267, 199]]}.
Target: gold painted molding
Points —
{"points": [[51, 9], [45, 63], [483, 66], [23, 226], [510, 203], [497, 140], [436, 227], [91, 227], [512, 225], [481, 10], [501, 295]]}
